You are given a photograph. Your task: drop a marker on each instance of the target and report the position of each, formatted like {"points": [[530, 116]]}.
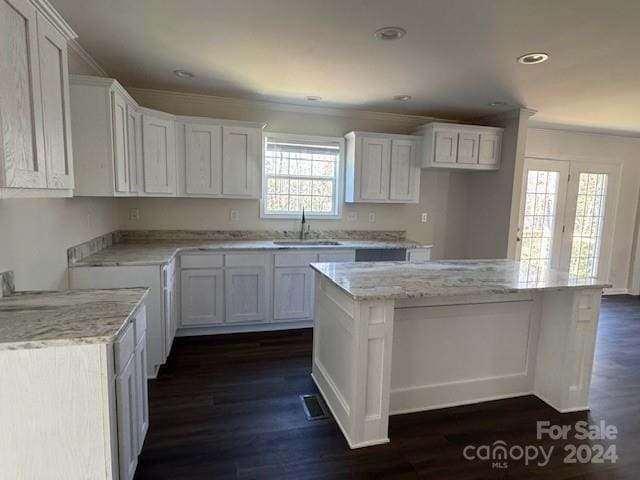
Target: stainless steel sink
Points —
{"points": [[291, 243]]}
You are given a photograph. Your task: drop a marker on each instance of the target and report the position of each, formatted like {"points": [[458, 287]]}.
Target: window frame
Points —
{"points": [[339, 177]]}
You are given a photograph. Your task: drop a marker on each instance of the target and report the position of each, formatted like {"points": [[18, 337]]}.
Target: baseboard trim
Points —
{"points": [[225, 329], [616, 291]]}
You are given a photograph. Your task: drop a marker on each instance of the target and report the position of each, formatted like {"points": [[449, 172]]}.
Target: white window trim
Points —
{"points": [[339, 179]]}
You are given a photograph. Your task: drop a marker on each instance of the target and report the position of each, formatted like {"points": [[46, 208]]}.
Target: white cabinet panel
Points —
{"points": [[134, 150], [120, 146], [293, 293], [202, 297], [404, 170], [461, 147], [203, 163], [54, 79], [446, 147], [490, 145], [126, 392], [419, 255], [159, 153], [374, 168], [241, 149], [142, 393], [245, 299], [468, 148], [22, 151], [170, 306]]}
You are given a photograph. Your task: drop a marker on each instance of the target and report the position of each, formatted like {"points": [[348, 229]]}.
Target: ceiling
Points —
{"points": [[457, 56]]}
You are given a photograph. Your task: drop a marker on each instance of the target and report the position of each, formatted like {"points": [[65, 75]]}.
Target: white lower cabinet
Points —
{"points": [[293, 293], [245, 294], [170, 313], [201, 293], [126, 403]]}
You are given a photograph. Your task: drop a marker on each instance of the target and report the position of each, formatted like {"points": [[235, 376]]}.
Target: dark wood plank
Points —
{"points": [[226, 407]]}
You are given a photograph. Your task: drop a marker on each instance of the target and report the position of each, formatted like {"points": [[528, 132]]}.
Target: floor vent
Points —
{"points": [[314, 407]]}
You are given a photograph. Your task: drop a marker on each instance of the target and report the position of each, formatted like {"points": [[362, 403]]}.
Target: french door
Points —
{"points": [[567, 217]]}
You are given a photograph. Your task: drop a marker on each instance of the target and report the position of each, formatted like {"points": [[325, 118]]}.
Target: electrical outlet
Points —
{"points": [[372, 217], [352, 216], [234, 215], [424, 217], [134, 214]]}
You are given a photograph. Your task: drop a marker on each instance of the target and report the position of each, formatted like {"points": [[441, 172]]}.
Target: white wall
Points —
{"points": [[35, 235], [442, 196], [571, 145]]}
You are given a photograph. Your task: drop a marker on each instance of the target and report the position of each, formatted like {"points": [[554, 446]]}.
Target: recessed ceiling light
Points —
{"points": [[498, 103], [533, 58], [183, 74], [390, 33], [314, 98], [402, 98]]}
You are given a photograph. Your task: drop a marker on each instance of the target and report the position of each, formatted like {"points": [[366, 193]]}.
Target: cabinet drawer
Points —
{"points": [[295, 259], [140, 323], [124, 347], [349, 256], [245, 260], [201, 261]]}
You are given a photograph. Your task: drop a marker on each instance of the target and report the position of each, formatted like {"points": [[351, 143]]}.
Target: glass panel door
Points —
{"points": [[587, 228], [541, 214], [592, 197]]}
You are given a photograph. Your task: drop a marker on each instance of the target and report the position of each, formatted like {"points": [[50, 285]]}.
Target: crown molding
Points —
{"points": [[286, 107], [50, 13], [541, 125], [88, 59]]}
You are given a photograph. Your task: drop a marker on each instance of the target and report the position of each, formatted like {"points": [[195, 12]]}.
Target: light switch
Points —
{"points": [[234, 215], [372, 217], [134, 214], [424, 217]]}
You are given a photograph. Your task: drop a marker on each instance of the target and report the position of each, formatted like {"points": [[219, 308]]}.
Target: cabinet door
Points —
{"points": [[202, 297], [419, 255], [22, 149], [142, 392], [169, 307], [126, 404], [134, 148], [490, 145], [445, 147], [159, 155], [245, 294], [54, 81], [293, 293], [241, 149], [120, 147], [468, 148], [374, 168], [203, 167], [405, 174]]}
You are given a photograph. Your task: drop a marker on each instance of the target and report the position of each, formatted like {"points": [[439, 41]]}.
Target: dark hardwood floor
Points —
{"points": [[227, 407]]}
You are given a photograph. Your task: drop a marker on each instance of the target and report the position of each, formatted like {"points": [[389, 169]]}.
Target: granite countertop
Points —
{"points": [[157, 252], [72, 317], [400, 280]]}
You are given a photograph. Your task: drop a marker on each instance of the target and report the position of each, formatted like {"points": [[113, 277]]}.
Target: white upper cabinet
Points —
{"points": [[467, 147], [35, 155], [405, 174], [120, 143], [241, 160], [158, 153], [203, 159], [382, 168], [107, 132], [134, 150]]}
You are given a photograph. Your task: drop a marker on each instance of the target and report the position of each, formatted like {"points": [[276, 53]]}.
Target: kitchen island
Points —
{"points": [[398, 337]]}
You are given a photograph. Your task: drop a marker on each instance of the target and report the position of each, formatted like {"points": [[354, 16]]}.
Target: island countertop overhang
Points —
{"points": [[445, 278]]}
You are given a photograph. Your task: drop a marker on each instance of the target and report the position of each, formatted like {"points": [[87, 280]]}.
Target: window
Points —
{"points": [[301, 172]]}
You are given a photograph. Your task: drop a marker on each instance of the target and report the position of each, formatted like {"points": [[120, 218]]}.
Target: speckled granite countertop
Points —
{"points": [[157, 252], [399, 280], [71, 317]]}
